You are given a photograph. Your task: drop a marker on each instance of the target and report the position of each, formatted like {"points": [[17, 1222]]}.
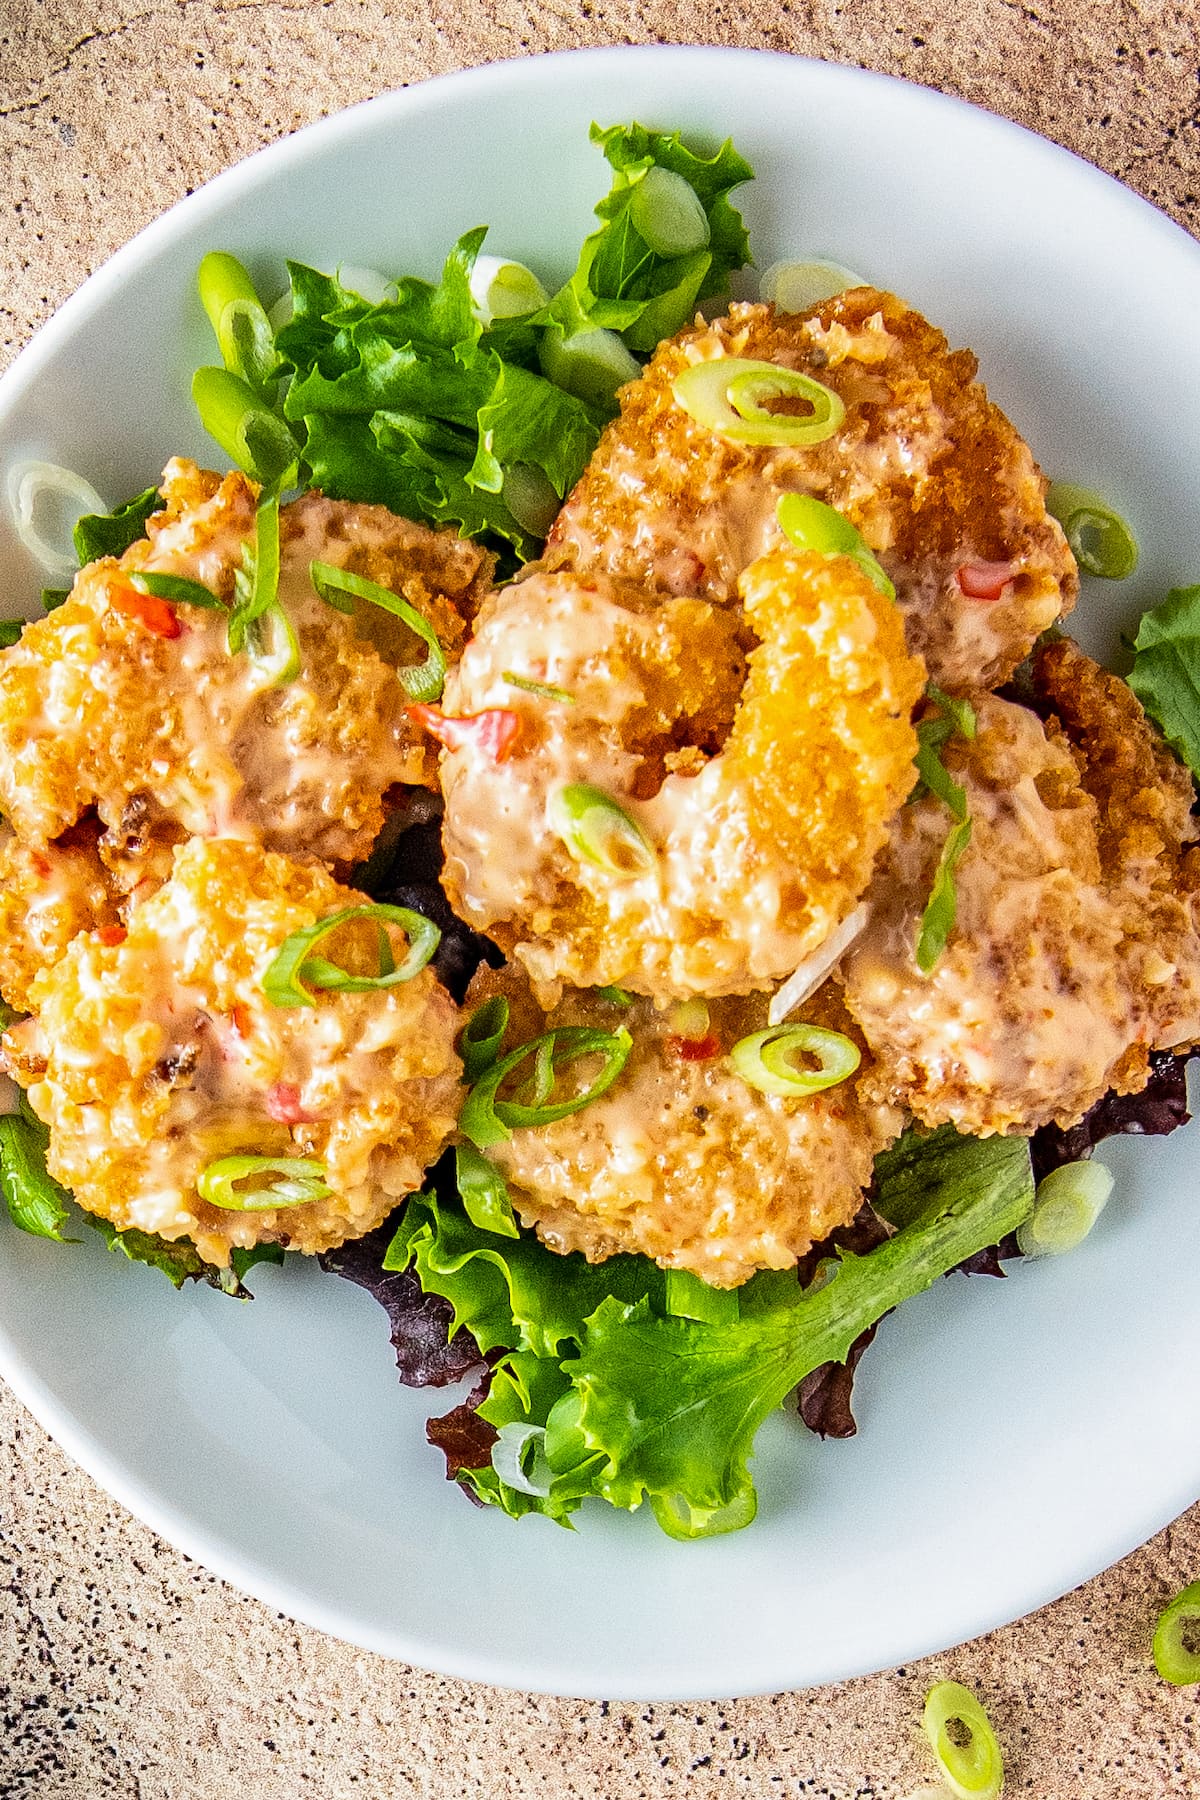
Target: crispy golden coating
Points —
{"points": [[1071, 956], [765, 785], [932, 474], [48, 895], [681, 1160], [151, 1057], [141, 711]]}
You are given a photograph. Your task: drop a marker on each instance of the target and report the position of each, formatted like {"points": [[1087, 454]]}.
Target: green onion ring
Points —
{"points": [[543, 689], [974, 1770], [250, 435], [1177, 1631], [595, 829], [1066, 1205], [764, 1059], [726, 396], [483, 1192], [174, 587], [487, 1120], [298, 1180], [421, 681], [1101, 542], [811, 525], [480, 1039], [294, 964], [239, 320]]}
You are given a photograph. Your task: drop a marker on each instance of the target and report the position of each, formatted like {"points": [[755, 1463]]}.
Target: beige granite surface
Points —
{"points": [[124, 1668]]}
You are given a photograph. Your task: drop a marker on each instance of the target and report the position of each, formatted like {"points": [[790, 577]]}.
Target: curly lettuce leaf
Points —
{"points": [[110, 534], [180, 1261], [35, 1201], [1166, 671], [620, 283]]}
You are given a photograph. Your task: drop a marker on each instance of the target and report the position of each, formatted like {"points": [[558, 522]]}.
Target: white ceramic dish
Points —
{"points": [[1015, 1436]]}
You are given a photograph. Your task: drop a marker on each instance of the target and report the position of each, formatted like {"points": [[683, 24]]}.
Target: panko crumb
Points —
{"points": [[168, 735], [681, 1160], [154, 1052], [930, 472]]}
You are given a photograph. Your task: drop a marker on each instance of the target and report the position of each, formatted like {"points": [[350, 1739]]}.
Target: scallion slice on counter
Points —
{"points": [[340, 588], [767, 1059], [481, 1037], [483, 1192], [728, 396], [596, 829], [1066, 1205], [592, 365], [811, 525], [1101, 542], [173, 587], [668, 214], [247, 431], [542, 689], [295, 970], [487, 1119], [239, 321], [973, 1770], [794, 287], [688, 1297], [1177, 1638], [276, 1181]]}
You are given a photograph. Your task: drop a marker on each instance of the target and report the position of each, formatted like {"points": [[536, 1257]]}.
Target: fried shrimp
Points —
{"points": [[137, 706], [48, 895], [681, 1160], [931, 473], [753, 793], [151, 1057], [1071, 956]]}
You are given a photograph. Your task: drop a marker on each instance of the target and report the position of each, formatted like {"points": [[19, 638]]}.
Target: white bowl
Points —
{"points": [[1015, 1436]]}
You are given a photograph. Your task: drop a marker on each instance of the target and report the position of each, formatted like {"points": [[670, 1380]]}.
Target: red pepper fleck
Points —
{"points": [[492, 733], [283, 1105], [147, 609], [984, 580], [111, 935], [694, 1049], [241, 1021]]}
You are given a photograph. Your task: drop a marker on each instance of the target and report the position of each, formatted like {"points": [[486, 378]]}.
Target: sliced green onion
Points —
{"points": [[668, 214], [258, 624], [1101, 542], [687, 1297], [239, 321], [481, 1037], [941, 909], [689, 1018], [518, 1457], [765, 1059], [487, 1120], [371, 285], [1177, 1638], [960, 712], [592, 365], [47, 501], [340, 588], [974, 1770], [530, 497], [35, 1201], [727, 395], [294, 969], [616, 996], [542, 688], [483, 1192], [501, 289], [10, 631], [680, 1519], [795, 287], [173, 587], [595, 829], [811, 525], [250, 435], [1067, 1204], [277, 1181]]}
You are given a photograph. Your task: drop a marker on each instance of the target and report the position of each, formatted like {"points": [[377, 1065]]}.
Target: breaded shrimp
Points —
{"points": [[681, 1160], [48, 895], [932, 474], [151, 1057], [1059, 975], [142, 711], [763, 802]]}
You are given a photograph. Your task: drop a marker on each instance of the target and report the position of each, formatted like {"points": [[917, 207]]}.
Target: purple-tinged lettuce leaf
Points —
{"points": [[1161, 1107], [426, 1355]]}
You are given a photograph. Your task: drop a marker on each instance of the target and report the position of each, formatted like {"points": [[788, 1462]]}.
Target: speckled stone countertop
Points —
{"points": [[124, 1668]]}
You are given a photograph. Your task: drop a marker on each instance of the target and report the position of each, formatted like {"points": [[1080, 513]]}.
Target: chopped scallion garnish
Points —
{"points": [[239, 321], [340, 588], [933, 731], [295, 970], [1067, 1204], [484, 1192], [597, 830], [811, 525], [794, 287], [277, 1181], [542, 688], [728, 394], [1101, 542], [481, 1037], [615, 996], [973, 1770], [501, 289], [258, 624], [487, 1119], [249, 434], [941, 909], [173, 587], [667, 213], [47, 501], [766, 1059], [688, 1297], [1177, 1638], [592, 365]]}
